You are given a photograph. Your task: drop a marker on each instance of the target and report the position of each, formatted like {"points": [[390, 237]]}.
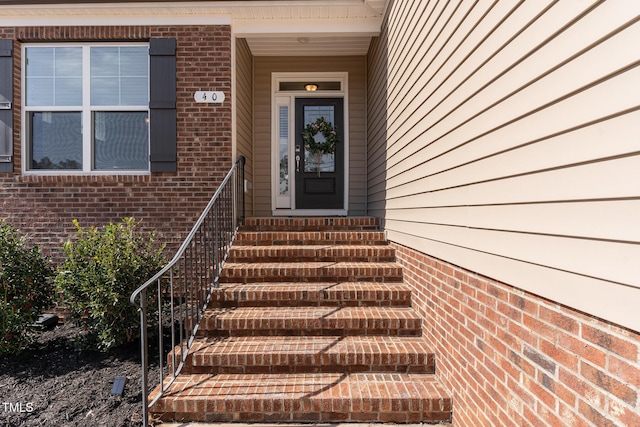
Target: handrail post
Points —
{"points": [[145, 357], [242, 189]]}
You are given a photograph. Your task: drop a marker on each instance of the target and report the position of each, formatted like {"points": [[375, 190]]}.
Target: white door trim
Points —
{"points": [[285, 205]]}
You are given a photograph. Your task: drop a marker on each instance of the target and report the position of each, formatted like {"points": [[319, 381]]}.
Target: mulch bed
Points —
{"points": [[55, 385]]}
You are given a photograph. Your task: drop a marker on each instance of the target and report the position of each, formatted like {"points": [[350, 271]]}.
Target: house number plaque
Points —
{"points": [[209, 97]]}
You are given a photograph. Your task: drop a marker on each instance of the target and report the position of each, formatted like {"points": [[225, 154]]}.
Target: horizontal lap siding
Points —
{"points": [[244, 113], [504, 138]]}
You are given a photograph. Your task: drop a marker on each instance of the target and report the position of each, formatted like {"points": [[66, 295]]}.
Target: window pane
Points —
{"points": [[119, 75], [54, 76], [135, 91], [68, 61], [105, 91], [105, 61], [40, 61], [40, 91], [67, 92], [133, 61], [121, 140], [56, 140], [283, 130]]}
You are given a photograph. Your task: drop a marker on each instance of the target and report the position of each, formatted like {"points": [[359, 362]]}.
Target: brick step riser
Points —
{"points": [[234, 258], [311, 224], [249, 326], [336, 274], [310, 410], [279, 332], [312, 295], [309, 228], [216, 368], [307, 253], [309, 417], [316, 278], [305, 242], [284, 302], [292, 238]]}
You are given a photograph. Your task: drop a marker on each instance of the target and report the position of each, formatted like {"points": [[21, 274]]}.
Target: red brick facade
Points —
{"points": [[511, 358], [44, 206]]}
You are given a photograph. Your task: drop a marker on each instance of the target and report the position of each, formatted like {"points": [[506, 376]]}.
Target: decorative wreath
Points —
{"points": [[331, 138]]}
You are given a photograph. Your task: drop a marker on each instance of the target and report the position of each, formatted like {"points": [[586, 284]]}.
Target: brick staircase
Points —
{"points": [[311, 323]]}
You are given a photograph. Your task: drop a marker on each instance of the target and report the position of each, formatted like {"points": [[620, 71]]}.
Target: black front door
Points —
{"points": [[319, 176]]}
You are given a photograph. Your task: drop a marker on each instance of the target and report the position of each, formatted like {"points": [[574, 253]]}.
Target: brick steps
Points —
{"points": [[299, 321], [295, 294], [312, 253], [311, 323], [311, 272], [308, 354], [326, 397]]}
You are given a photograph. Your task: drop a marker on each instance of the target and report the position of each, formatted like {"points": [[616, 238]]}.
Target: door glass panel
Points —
{"points": [[319, 162], [283, 135]]}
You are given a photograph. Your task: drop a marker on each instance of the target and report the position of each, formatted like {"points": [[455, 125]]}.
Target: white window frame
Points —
{"points": [[86, 110], [280, 206]]}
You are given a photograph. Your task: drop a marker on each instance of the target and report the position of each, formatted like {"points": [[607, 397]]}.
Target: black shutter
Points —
{"points": [[6, 105], [162, 104]]}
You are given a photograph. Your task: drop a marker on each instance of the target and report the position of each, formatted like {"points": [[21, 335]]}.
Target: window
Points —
{"points": [[87, 107]]}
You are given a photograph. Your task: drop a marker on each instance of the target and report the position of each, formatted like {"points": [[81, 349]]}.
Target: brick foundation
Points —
{"points": [[511, 358], [44, 206]]}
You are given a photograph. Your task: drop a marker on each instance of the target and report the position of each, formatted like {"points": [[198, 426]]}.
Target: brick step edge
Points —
{"points": [[298, 294], [308, 354], [377, 397], [300, 321]]}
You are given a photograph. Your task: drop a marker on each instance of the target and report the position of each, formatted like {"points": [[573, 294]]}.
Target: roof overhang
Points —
{"points": [[271, 27]]}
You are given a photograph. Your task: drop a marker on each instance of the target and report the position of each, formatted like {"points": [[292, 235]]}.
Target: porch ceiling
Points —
{"points": [[271, 27]]}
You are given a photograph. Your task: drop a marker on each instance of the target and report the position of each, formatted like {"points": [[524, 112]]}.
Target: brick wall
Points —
{"points": [[168, 202], [511, 358]]}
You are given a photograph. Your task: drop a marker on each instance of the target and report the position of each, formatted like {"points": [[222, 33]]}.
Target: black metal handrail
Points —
{"points": [[182, 289]]}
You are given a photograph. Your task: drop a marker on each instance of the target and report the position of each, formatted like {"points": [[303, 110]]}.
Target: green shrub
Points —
{"points": [[101, 270], [26, 289]]}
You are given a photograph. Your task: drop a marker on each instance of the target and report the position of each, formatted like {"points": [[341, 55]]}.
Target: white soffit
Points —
{"points": [[271, 27], [320, 45]]}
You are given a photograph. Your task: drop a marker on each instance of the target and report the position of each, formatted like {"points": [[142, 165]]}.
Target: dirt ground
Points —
{"points": [[54, 385]]}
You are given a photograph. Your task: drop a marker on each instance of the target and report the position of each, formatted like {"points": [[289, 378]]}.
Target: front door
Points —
{"points": [[319, 175]]}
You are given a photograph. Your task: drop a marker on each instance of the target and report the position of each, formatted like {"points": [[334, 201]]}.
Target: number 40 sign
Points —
{"points": [[209, 97]]}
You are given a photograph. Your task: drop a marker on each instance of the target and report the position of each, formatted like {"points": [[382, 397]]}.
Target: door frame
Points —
{"points": [[285, 205]]}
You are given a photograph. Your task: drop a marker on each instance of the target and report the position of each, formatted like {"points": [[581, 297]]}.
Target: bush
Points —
{"points": [[101, 270], [26, 289]]}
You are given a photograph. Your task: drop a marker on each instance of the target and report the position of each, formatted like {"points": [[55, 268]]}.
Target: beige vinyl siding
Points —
{"points": [[505, 137], [244, 116], [264, 67]]}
